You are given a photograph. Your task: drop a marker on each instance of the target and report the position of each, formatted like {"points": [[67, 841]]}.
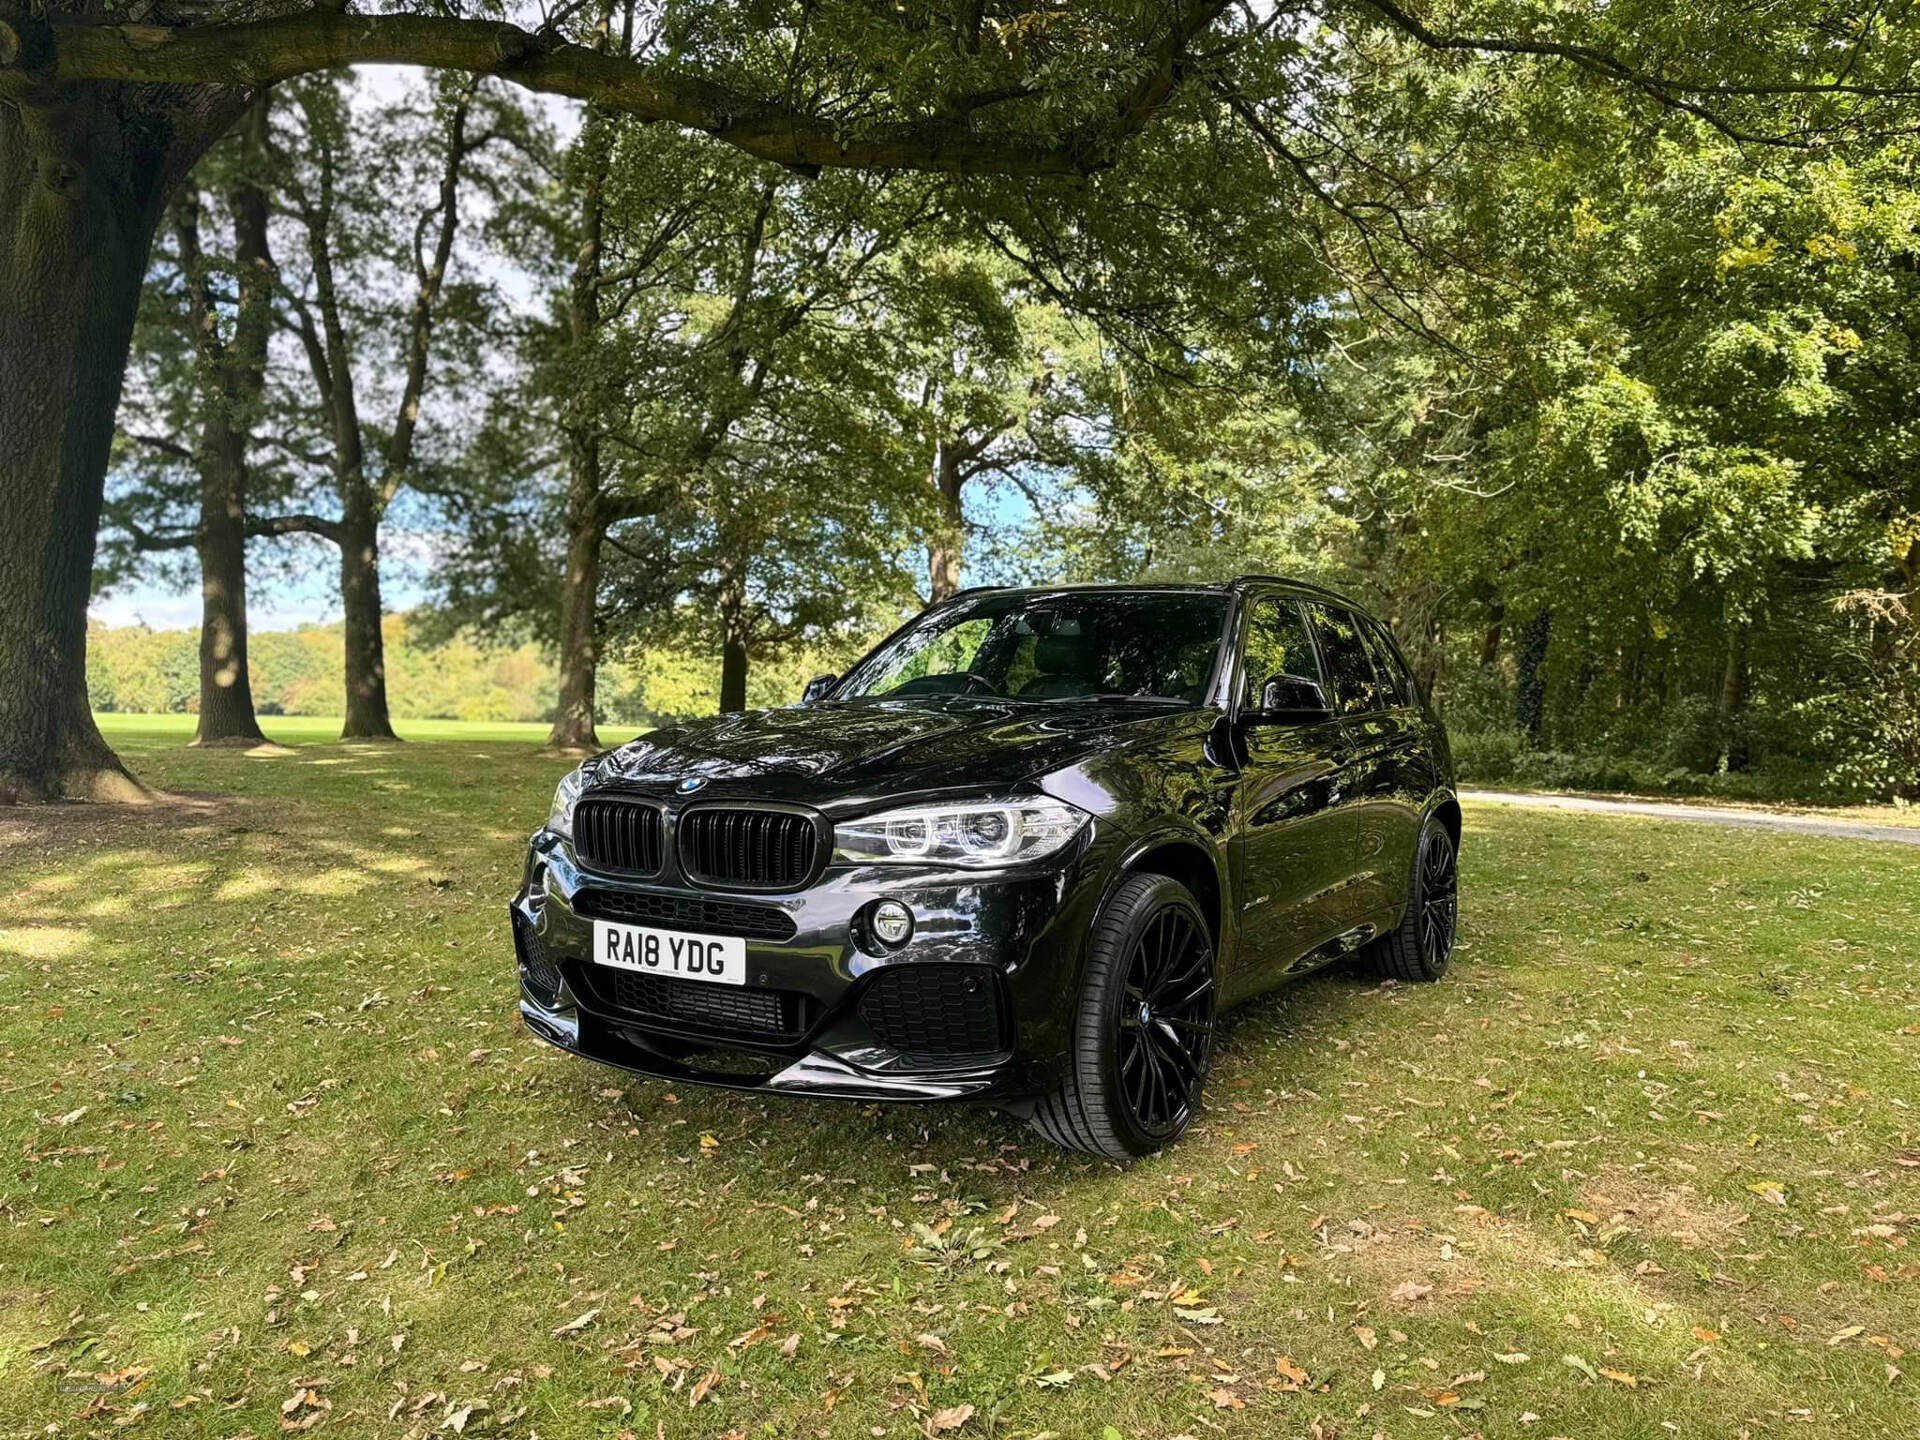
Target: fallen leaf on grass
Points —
{"points": [[1621, 1377], [1575, 1362], [1771, 1191], [1408, 1291], [703, 1387], [951, 1418], [577, 1324], [1225, 1399], [1291, 1373]]}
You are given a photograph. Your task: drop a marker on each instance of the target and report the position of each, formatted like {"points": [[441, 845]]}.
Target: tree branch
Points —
{"points": [[1675, 93], [144, 539], [293, 525], [263, 52]]}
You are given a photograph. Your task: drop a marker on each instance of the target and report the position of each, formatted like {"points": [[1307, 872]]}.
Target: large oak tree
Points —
{"points": [[102, 114]]}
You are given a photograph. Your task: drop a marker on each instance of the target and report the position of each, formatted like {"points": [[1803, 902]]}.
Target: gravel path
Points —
{"points": [[1702, 814]]}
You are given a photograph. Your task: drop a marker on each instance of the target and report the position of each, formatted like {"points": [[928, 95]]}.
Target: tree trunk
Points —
{"points": [[1530, 691], [1733, 700], [573, 721], [226, 690], [226, 686], [943, 554], [733, 644], [80, 198], [1910, 569], [1490, 638], [366, 658]]}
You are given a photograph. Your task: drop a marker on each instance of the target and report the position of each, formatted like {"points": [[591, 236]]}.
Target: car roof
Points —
{"points": [[1238, 584]]}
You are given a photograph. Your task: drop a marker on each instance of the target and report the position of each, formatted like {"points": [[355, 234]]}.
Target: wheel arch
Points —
{"points": [[1187, 860], [1447, 812]]}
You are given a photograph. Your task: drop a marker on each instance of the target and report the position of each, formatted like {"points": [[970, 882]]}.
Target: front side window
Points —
{"points": [[1356, 687], [1053, 645], [1277, 644]]}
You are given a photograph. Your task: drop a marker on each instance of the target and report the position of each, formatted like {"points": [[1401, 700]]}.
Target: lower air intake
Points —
{"points": [[937, 1014], [537, 970], [718, 1009]]}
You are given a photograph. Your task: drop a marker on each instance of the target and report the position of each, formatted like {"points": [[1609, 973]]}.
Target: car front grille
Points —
{"points": [[936, 1014], [685, 912], [748, 849], [614, 834], [722, 1009]]}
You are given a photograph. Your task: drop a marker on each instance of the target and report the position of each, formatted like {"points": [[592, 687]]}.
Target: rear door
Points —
{"points": [[1375, 704], [1287, 855]]}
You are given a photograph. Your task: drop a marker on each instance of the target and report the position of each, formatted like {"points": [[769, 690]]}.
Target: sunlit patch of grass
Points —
{"points": [[43, 942], [1644, 1159]]}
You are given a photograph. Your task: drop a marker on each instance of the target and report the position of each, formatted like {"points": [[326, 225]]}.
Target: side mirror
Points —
{"points": [[817, 688], [1292, 699]]}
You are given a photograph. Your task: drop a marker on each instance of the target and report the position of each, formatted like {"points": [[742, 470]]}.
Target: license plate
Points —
{"points": [[716, 959]]}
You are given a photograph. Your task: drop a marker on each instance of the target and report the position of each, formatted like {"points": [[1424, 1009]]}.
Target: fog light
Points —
{"points": [[892, 922]]}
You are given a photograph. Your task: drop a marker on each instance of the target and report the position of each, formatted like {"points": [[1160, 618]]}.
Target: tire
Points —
{"points": [[1143, 1032], [1420, 946]]}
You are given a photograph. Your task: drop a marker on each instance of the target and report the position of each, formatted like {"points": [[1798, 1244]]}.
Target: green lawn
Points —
{"points": [[279, 1155], [142, 733]]}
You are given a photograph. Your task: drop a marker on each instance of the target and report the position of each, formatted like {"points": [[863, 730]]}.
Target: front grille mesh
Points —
{"points": [[759, 849], [685, 912], [936, 1013], [615, 834], [542, 975], [724, 1009]]}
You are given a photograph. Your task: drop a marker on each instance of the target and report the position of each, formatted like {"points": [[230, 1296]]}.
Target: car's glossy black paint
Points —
{"points": [[1298, 841]]}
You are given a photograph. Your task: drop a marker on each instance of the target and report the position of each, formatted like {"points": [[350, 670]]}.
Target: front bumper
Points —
{"points": [[825, 1013]]}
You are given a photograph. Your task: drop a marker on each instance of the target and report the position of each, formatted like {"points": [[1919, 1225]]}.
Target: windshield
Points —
{"points": [[1060, 645]]}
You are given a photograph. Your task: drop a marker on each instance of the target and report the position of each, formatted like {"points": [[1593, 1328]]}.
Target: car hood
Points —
{"points": [[854, 751]]}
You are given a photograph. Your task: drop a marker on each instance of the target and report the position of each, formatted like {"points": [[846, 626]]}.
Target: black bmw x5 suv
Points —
{"points": [[1026, 851]]}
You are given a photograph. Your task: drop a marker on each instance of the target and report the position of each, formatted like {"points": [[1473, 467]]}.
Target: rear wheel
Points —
{"points": [[1420, 946], [1143, 1035]]}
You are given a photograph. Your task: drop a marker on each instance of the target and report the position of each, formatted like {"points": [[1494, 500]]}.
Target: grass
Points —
{"points": [[280, 1156], [143, 733]]}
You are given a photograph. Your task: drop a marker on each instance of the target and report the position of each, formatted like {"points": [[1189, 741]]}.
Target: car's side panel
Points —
{"points": [[1292, 847]]}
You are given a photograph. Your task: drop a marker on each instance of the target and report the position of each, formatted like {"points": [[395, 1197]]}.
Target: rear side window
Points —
{"points": [[1356, 684], [1277, 644], [1386, 659]]}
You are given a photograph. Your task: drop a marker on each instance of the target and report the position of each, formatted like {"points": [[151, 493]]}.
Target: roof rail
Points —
{"points": [[1292, 584]]}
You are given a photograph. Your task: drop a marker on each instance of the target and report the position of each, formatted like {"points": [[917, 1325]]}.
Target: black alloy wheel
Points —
{"points": [[1143, 1037], [1166, 1022], [1421, 945], [1439, 899]]}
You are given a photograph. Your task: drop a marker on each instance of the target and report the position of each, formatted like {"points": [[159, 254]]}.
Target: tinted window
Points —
{"points": [[1054, 645], [1356, 684], [1386, 660], [1277, 644]]}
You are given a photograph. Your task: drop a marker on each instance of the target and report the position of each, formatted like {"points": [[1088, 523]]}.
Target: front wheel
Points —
{"points": [[1420, 946], [1143, 1036]]}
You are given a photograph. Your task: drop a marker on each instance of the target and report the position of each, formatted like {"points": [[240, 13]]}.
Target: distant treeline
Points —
{"points": [[135, 668]]}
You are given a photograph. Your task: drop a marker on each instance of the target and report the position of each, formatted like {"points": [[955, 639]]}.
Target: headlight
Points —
{"points": [[974, 833], [560, 817]]}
